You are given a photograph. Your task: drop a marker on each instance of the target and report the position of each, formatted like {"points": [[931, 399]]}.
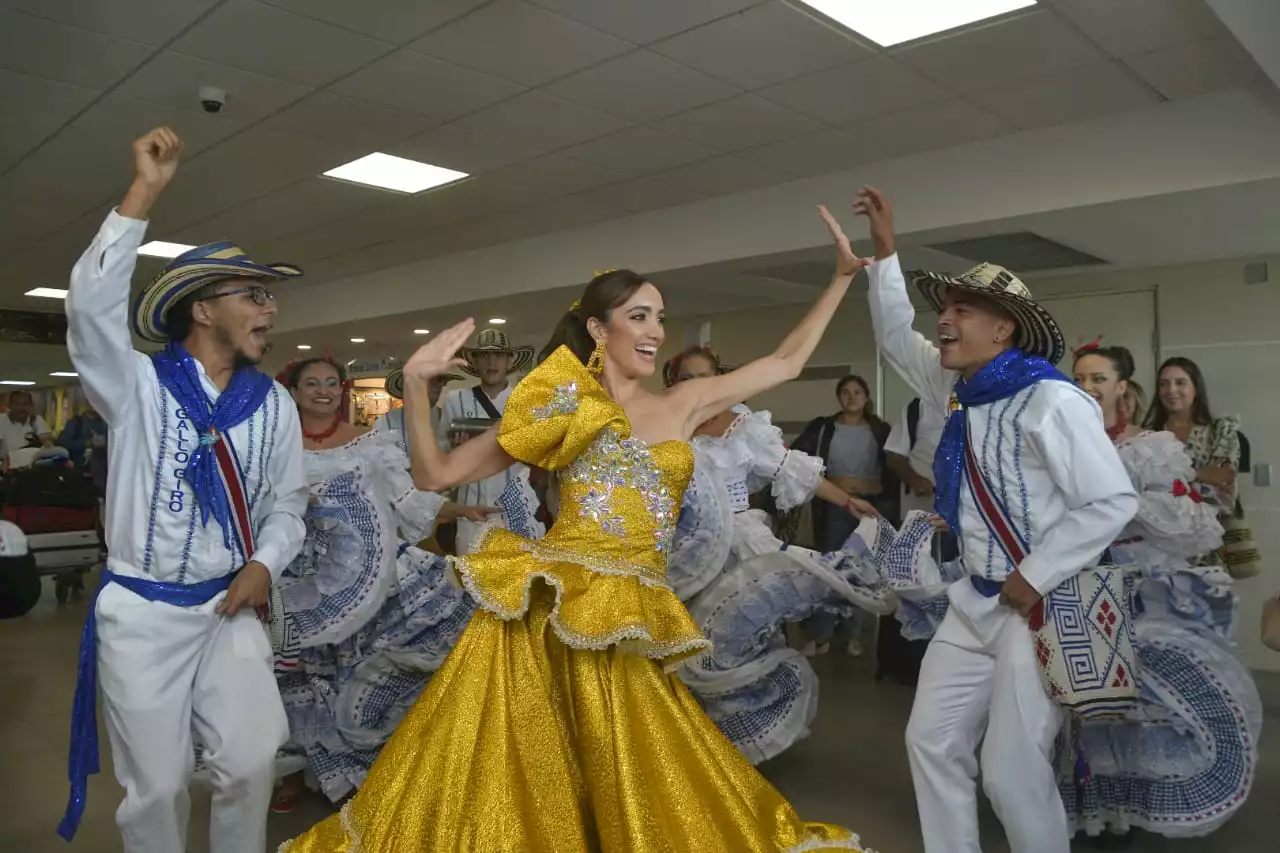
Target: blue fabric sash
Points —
{"points": [[1001, 378], [246, 391], [83, 760]]}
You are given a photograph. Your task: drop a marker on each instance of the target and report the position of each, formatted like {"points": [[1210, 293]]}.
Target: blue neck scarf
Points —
{"points": [[1002, 377], [246, 391]]}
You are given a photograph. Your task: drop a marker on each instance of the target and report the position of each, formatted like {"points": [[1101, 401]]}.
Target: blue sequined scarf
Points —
{"points": [[1001, 378], [246, 391]]}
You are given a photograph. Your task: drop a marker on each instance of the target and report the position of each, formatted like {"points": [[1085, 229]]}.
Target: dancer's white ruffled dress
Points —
{"points": [[1185, 761], [741, 585], [363, 617]]}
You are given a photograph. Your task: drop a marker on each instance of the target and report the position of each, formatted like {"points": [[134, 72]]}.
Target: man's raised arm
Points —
{"points": [[98, 336], [892, 315]]}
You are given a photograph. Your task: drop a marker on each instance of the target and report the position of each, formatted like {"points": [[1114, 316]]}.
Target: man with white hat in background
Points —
{"points": [[492, 360], [393, 420], [1036, 492], [205, 497]]}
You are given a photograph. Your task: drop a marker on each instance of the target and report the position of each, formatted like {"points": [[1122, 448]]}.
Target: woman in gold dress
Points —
{"points": [[556, 725]]}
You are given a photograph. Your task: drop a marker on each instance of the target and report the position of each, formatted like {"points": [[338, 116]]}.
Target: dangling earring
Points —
{"points": [[595, 364]]}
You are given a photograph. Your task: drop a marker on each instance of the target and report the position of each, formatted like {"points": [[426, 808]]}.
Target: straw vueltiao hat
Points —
{"points": [[495, 340], [1038, 333], [395, 381], [191, 271]]}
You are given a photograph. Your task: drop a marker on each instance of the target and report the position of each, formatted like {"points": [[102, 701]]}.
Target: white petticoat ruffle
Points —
{"points": [[1170, 517]]}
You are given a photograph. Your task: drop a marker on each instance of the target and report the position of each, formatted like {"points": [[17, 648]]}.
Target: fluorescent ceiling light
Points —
{"points": [[394, 173], [890, 22], [357, 340], [422, 331], [64, 373], [304, 346], [50, 292], [15, 382], [497, 321], [161, 249]]}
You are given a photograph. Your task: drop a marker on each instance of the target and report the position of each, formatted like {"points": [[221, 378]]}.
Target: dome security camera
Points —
{"points": [[212, 99]]}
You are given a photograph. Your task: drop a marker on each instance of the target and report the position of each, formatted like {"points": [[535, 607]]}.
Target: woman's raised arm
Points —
{"points": [[711, 395], [433, 469]]}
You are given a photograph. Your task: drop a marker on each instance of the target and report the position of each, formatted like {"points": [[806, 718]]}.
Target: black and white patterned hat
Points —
{"points": [[1038, 333]]}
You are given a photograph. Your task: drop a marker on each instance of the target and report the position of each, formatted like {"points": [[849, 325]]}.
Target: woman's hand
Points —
{"points": [[859, 508], [847, 263], [1219, 477], [440, 355], [939, 523], [452, 511]]}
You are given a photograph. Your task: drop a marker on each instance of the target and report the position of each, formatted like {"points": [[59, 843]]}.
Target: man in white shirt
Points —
{"points": [[909, 452], [394, 419], [205, 497], [21, 427], [492, 360], [1040, 443]]}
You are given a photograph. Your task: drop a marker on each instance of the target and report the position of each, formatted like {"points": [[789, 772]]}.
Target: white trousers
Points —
{"points": [[166, 671], [968, 687]]}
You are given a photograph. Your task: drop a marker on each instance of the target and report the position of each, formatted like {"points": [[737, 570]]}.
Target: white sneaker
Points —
{"points": [[854, 649]]}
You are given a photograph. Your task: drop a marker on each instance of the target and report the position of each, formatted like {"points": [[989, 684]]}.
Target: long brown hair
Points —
{"points": [[606, 292], [869, 409], [1158, 415]]}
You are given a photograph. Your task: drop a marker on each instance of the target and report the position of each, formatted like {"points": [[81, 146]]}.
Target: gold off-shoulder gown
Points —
{"points": [[555, 725]]}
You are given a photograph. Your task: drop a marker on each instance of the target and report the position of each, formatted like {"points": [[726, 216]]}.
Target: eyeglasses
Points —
{"points": [[259, 294]]}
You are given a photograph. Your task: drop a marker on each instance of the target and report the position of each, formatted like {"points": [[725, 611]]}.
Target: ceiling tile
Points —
{"points": [[648, 193], [303, 205], [479, 196], [151, 22], [541, 121], [852, 92], [175, 79], [271, 41], [816, 153], [647, 21], [54, 51], [1126, 27], [521, 43], [742, 122], [721, 175], [90, 158], [764, 45], [323, 115], [931, 127], [1200, 67], [1095, 90], [642, 86], [416, 83], [247, 166], [555, 175], [467, 151], [391, 20], [1028, 45], [32, 109], [639, 151]]}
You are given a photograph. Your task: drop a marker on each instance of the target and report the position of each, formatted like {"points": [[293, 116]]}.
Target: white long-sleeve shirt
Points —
{"points": [[1045, 451], [153, 525], [462, 404]]}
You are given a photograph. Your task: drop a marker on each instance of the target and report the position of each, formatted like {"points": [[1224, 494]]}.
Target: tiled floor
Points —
{"points": [[852, 770]]}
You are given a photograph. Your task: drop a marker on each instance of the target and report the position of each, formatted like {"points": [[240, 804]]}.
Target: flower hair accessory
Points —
{"points": [[1086, 347]]}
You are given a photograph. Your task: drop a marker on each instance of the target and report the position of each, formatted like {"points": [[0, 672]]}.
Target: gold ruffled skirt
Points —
{"points": [[524, 744]]}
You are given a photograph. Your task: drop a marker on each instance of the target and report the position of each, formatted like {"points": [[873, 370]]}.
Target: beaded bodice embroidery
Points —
{"points": [[619, 497]]}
